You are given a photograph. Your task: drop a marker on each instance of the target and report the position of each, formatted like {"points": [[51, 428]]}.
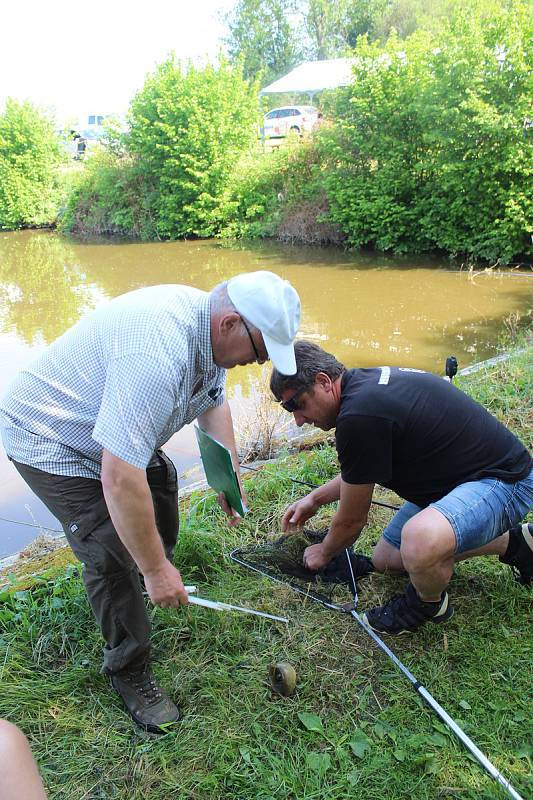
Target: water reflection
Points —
{"points": [[366, 309], [42, 290]]}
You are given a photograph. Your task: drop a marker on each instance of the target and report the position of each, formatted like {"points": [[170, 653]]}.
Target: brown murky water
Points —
{"points": [[366, 309]]}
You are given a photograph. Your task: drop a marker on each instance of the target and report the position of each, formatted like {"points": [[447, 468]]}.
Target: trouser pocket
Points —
{"points": [[163, 483], [110, 574]]}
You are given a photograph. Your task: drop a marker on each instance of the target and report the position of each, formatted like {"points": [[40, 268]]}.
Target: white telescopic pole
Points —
{"points": [[430, 700], [459, 732]]}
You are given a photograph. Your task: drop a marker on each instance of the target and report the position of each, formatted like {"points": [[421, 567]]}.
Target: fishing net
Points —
{"points": [[282, 560]]}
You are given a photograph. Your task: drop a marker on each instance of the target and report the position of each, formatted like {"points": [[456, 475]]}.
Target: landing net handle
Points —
{"points": [[428, 697], [449, 721], [235, 556]]}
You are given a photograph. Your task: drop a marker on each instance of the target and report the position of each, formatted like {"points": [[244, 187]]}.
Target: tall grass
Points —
{"points": [[353, 729]]}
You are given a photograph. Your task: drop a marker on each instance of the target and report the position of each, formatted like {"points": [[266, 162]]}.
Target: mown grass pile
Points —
{"points": [[354, 728]]}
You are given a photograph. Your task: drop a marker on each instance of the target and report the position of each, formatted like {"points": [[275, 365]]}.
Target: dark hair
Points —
{"points": [[310, 360]]}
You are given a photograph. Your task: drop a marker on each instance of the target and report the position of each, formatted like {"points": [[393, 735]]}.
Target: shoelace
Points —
{"points": [[146, 685], [397, 603], [400, 611]]}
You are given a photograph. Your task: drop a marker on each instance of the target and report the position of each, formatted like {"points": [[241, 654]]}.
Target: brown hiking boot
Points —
{"points": [[145, 700]]}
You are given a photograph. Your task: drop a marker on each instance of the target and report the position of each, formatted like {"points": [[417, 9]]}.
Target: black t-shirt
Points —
{"points": [[419, 435]]}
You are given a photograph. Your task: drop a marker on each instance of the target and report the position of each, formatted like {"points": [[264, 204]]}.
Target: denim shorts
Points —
{"points": [[478, 511]]}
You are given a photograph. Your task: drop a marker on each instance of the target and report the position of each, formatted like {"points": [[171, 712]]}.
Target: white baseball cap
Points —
{"points": [[272, 305]]}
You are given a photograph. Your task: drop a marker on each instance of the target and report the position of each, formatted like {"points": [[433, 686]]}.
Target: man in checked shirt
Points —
{"points": [[84, 425]]}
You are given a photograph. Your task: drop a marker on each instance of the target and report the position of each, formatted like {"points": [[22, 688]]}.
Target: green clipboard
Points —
{"points": [[219, 470]]}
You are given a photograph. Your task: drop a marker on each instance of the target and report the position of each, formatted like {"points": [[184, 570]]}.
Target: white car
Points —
{"points": [[280, 121]]}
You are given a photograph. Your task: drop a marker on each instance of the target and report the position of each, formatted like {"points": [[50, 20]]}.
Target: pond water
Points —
{"points": [[367, 309]]}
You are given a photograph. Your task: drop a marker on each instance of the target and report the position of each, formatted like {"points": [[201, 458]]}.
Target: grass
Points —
{"points": [[354, 728]]}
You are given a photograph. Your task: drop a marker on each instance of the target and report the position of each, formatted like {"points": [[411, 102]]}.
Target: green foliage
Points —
{"points": [[30, 154], [112, 195], [406, 16], [325, 26], [431, 151], [272, 37], [165, 178], [263, 38], [188, 130], [506, 390], [253, 197], [332, 26], [266, 185]]}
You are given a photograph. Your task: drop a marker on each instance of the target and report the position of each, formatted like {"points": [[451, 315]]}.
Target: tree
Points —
{"points": [[432, 149], [30, 153], [262, 36], [406, 16], [188, 129], [324, 25]]}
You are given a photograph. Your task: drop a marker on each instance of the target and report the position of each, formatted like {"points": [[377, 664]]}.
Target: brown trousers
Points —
{"points": [[110, 575]]}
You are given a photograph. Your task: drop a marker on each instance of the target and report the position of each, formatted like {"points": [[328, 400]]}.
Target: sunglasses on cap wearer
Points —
{"points": [[292, 404], [257, 356]]}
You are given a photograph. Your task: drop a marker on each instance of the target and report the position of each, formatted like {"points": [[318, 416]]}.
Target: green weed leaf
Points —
{"points": [[379, 730], [318, 762], [353, 777], [438, 740], [311, 721], [431, 766], [525, 750], [360, 744]]}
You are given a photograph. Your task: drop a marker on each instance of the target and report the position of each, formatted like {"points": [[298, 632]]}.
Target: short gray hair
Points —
{"points": [[220, 304], [219, 299], [310, 360]]}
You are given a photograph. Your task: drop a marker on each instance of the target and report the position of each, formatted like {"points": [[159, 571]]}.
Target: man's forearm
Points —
{"points": [[350, 519], [131, 509], [328, 493], [346, 525], [340, 536]]}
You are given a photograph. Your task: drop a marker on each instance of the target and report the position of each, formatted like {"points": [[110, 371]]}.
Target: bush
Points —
{"points": [[188, 131], [279, 193], [30, 154], [111, 196], [431, 150]]}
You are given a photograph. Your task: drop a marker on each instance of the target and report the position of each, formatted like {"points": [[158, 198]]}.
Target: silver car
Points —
{"points": [[280, 121]]}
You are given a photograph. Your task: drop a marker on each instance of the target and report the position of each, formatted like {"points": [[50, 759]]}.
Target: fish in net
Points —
{"points": [[282, 559]]}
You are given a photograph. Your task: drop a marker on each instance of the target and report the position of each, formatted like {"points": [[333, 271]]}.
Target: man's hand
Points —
{"points": [[298, 513], [314, 557], [217, 423], [233, 517], [165, 587]]}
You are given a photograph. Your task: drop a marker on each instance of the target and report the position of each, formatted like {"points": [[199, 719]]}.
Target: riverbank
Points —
{"points": [[373, 738]]}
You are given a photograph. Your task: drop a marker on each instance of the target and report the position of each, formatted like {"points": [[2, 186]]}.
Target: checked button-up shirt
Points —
{"points": [[124, 378]]}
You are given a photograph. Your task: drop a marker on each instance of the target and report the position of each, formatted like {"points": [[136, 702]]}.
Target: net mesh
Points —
{"points": [[282, 559]]}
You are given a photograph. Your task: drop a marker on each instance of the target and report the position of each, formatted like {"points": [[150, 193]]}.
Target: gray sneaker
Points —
{"points": [[145, 700]]}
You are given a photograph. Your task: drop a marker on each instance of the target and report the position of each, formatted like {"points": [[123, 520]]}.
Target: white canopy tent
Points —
{"points": [[314, 76]]}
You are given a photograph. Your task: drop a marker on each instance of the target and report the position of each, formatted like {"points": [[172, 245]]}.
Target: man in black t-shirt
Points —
{"points": [[466, 479]]}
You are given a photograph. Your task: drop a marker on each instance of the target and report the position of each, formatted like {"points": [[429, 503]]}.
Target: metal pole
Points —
{"points": [[315, 486], [430, 700]]}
